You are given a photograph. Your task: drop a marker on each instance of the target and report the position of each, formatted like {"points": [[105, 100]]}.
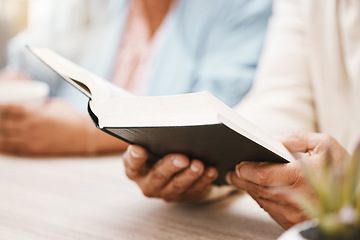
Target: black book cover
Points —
{"points": [[216, 145]]}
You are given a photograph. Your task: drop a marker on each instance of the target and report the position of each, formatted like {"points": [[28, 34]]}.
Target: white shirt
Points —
{"points": [[309, 76]]}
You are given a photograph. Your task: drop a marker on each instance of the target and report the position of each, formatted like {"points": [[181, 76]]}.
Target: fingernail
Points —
{"points": [[194, 168], [211, 173], [238, 172], [134, 153], [179, 163], [228, 178]]}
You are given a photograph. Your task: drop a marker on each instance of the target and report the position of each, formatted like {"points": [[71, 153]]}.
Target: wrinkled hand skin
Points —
{"points": [[174, 178], [275, 186], [51, 128]]}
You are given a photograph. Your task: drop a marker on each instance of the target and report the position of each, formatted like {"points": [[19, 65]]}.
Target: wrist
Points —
{"points": [[91, 140]]}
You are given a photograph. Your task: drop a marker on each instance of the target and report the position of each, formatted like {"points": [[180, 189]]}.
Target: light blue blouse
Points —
{"points": [[211, 45]]}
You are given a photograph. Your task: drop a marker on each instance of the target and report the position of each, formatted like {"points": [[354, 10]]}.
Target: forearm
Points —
{"points": [[97, 141], [106, 143], [13, 74]]}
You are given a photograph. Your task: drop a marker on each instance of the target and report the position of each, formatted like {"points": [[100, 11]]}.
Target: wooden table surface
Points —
{"points": [[91, 198]]}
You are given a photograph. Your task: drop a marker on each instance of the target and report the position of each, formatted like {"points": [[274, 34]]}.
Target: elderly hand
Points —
{"points": [[173, 178], [51, 128], [274, 186]]}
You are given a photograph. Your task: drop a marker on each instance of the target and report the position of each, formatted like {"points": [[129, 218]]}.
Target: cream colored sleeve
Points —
{"points": [[281, 98], [219, 192]]}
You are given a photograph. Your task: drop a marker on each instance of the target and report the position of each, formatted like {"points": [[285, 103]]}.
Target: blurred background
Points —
{"points": [[17, 15]]}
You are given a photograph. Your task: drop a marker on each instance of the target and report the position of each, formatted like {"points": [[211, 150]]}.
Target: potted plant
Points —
{"points": [[336, 214]]}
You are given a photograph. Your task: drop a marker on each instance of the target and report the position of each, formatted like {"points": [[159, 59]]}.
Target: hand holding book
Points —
{"points": [[277, 188], [174, 178], [197, 125]]}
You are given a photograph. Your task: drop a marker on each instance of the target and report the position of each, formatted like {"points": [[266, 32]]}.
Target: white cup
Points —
{"points": [[23, 92]]}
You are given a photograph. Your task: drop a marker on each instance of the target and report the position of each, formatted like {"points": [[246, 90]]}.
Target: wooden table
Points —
{"points": [[91, 198]]}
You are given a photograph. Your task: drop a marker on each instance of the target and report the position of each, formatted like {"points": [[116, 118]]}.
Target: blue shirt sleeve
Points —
{"points": [[230, 48]]}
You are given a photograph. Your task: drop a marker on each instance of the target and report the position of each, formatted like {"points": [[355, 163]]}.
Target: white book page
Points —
{"points": [[96, 88], [175, 110]]}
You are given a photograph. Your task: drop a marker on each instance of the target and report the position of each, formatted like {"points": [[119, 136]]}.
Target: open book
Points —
{"points": [[196, 124]]}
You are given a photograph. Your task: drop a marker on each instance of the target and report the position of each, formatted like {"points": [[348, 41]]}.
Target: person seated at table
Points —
{"points": [[150, 47], [308, 81]]}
